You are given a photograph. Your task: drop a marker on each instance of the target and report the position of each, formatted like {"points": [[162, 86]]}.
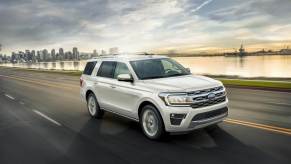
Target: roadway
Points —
{"points": [[42, 120]]}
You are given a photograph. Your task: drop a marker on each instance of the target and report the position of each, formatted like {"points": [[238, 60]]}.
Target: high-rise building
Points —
{"points": [[113, 51], [61, 54], [33, 57], [38, 58], [13, 57], [45, 55], [27, 56], [68, 55], [53, 54], [75, 53], [95, 54]]}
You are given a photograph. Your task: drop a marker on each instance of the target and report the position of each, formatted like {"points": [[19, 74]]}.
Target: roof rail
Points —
{"points": [[105, 56], [116, 55]]}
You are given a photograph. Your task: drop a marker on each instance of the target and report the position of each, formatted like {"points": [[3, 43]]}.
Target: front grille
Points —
{"points": [[207, 97], [209, 102], [205, 91], [210, 114]]}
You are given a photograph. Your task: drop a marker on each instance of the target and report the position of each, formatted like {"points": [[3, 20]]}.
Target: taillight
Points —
{"points": [[81, 82]]}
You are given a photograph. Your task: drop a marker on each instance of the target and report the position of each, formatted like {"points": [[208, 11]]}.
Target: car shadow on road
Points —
{"points": [[123, 140]]}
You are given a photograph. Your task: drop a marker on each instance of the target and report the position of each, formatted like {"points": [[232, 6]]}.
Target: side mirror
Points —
{"points": [[125, 77], [188, 69]]}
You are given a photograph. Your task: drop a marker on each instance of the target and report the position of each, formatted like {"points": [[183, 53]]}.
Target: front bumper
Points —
{"points": [[206, 116]]}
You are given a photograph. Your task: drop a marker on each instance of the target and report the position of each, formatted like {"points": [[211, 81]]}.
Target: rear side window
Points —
{"points": [[89, 68], [107, 69]]}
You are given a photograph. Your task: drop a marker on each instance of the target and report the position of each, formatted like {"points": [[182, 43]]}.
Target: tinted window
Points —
{"points": [[107, 69], [89, 68], [121, 68], [157, 68]]}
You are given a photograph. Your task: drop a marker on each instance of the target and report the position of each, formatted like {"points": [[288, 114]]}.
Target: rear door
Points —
{"points": [[86, 80]]}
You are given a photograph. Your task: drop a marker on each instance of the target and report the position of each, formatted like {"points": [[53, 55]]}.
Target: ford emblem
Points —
{"points": [[211, 96]]}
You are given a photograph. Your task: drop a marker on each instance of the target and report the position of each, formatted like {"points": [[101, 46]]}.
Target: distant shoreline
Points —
{"points": [[260, 83], [74, 72], [222, 55]]}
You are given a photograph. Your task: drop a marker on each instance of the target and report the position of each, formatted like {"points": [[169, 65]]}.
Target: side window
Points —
{"points": [[121, 68], [89, 68], [106, 69]]}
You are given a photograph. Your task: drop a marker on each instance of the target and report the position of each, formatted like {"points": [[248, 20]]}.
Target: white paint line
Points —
{"points": [[22, 103], [12, 98], [47, 117]]}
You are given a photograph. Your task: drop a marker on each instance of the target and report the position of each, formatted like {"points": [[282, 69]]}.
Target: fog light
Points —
{"points": [[176, 119]]}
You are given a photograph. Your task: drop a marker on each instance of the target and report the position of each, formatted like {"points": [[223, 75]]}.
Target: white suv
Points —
{"points": [[156, 91]]}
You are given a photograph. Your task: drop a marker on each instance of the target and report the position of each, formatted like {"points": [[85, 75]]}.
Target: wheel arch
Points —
{"points": [[149, 102], [88, 92]]}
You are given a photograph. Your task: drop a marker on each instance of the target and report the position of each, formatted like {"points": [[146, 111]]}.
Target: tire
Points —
{"points": [[93, 107], [152, 123]]}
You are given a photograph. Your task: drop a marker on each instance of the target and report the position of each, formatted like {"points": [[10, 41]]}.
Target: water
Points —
{"points": [[58, 65], [250, 66]]}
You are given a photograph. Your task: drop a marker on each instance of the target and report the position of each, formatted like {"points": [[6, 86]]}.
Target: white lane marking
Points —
{"points": [[46, 117], [12, 98], [22, 103]]}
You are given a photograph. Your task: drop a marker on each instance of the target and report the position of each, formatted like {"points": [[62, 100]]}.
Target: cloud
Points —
{"points": [[142, 25], [200, 6]]}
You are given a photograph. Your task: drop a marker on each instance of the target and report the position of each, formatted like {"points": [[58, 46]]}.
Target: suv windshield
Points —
{"points": [[157, 68]]}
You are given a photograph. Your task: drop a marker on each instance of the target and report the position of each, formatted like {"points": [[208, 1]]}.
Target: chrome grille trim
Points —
{"points": [[205, 91], [200, 98]]}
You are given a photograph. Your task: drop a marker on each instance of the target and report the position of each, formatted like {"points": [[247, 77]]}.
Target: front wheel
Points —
{"points": [[93, 107], [152, 123]]}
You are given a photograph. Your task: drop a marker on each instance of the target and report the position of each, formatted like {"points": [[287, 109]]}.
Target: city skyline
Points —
{"points": [[186, 26], [46, 55]]}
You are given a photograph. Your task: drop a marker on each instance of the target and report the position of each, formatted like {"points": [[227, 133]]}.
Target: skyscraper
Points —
{"points": [[27, 56], [75, 53], [38, 57], [95, 54], [45, 55], [33, 57], [53, 54], [113, 51], [61, 54]]}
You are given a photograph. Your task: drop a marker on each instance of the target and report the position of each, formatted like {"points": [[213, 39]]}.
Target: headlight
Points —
{"points": [[176, 99]]}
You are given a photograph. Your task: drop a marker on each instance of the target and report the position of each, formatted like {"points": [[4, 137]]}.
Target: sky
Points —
{"points": [[159, 26]]}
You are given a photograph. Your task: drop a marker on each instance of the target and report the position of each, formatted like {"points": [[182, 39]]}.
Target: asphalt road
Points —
{"points": [[42, 120]]}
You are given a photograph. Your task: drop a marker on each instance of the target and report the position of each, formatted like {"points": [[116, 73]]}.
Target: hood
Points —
{"points": [[182, 83]]}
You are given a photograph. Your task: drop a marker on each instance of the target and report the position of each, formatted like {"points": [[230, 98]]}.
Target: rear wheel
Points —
{"points": [[152, 123], [93, 106]]}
